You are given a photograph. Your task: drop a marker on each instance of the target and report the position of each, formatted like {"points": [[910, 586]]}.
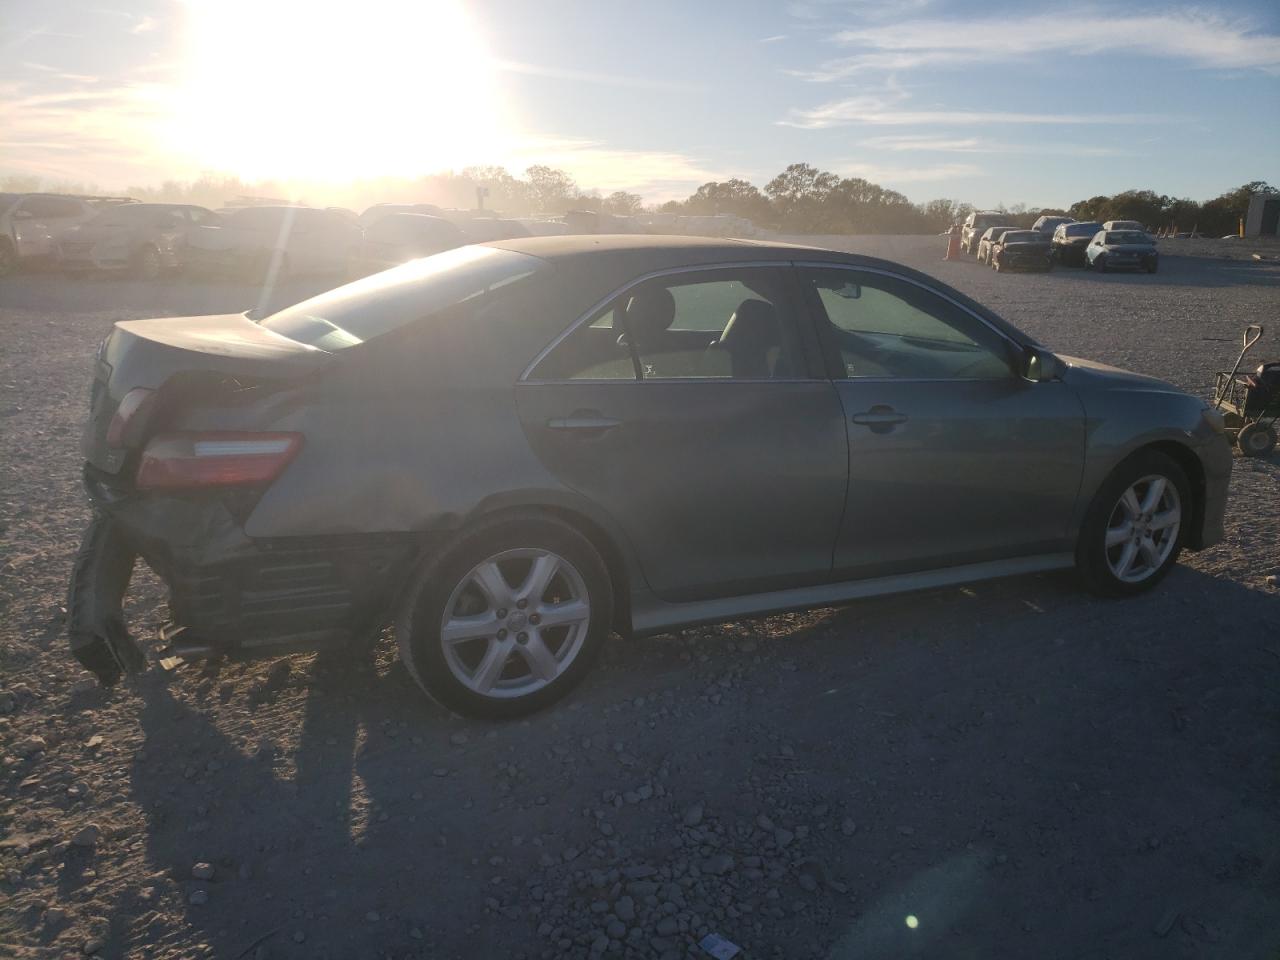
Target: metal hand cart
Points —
{"points": [[1249, 409]]}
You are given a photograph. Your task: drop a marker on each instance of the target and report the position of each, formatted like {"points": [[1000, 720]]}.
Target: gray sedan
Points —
{"points": [[511, 450]]}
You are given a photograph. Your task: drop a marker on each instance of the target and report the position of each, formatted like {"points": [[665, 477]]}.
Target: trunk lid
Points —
{"points": [[159, 354]]}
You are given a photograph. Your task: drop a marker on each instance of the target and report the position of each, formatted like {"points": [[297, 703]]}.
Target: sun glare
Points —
{"points": [[291, 89]]}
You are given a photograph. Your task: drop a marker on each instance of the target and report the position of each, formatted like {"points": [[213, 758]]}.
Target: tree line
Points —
{"points": [[803, 199], [800, 199]]}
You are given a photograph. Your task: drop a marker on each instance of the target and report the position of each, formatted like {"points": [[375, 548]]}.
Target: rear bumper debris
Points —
{"points": [[96, 628]]}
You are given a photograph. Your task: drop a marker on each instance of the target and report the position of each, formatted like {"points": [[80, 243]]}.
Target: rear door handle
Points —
{"points": [[585, 422], [879, 417]]}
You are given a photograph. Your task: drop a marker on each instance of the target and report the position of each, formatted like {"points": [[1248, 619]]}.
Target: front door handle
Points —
{"points": [[584, 421]]}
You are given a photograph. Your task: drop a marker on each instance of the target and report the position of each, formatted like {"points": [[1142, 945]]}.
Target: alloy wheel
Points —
{"points": [[1143, 528], [515, 623]]}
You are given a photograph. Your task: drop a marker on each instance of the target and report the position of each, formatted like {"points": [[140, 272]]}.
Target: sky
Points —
{"points": [[989, 103]]}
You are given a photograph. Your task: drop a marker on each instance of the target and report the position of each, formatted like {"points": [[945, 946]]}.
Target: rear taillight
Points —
{"points": [[177, 461], [133, 408]]}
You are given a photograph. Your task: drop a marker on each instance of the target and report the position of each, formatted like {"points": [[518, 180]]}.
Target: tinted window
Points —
{"points": [[717, 324], [885, 327], [52, 207], [386, 301], [1022, 236]]}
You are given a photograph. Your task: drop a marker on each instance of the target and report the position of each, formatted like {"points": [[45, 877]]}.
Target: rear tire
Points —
{"points": [[146, 263], [1133, 530], [503, 659]]}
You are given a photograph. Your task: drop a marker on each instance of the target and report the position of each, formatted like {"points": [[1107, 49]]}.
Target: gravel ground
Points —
{"points": [[1011, 769]]}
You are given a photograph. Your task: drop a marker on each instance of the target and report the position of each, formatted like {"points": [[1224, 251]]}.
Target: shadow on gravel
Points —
{"points": [[1031, 772]]}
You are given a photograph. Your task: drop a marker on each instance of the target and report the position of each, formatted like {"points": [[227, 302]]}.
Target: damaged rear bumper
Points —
{"points": [[229, 594]]}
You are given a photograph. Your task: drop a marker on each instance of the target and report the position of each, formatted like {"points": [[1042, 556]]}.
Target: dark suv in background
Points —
{"points": [[1070, 240], [975, 225]]}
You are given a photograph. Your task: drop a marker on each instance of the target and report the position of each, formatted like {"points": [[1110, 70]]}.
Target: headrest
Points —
{"points": [[650, 311], [755, 322]]}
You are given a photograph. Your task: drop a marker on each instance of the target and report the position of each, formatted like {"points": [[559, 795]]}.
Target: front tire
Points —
{"points": [[1134, 528], [508, 619]]}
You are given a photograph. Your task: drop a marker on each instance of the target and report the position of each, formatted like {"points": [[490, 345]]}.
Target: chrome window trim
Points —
{"points": [[605, 301]]}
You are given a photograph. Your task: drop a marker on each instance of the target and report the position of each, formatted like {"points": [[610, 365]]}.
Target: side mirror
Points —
{"points": [[1040, 365]]}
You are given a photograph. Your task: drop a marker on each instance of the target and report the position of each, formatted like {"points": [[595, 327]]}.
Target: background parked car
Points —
{"points": [[1118, 249], [976, 224], [1047, 225], [1020, 250], [990, 237], [380, 210], [30, 224], [1070, 241], [297, 240], [486, 229], [146, 238], [399, 237]]}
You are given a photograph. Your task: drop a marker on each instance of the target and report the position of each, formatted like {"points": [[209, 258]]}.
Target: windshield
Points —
{"points": [[386, 301], [1022, 236], [1128, 236], [1082, 229]]}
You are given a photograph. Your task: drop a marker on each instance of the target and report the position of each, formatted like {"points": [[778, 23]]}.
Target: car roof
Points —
{"points": [[675, 250]]}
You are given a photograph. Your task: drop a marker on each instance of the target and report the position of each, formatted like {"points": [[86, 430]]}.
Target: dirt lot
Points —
{"points": [[1007, 770]]}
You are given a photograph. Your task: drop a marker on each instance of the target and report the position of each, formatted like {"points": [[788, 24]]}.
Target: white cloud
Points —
{"points": [[893, 174], [1192, 36], [145, 25], [931, 143], [882, 108]]}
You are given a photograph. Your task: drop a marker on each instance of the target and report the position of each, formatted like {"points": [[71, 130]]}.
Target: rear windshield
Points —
{"points": [[386, 301], [1127, 236], [1082, 229], [1022, 236]]}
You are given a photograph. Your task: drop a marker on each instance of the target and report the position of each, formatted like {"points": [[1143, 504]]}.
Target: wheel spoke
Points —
{"points": [[541, 572], [1150, 553], [488, 577], [1130, 503], [1154, 492], [561, 614], [1167, 519], [542, 662], [1127, 556], [490, 668], [1118, 535], [457, 629]]}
